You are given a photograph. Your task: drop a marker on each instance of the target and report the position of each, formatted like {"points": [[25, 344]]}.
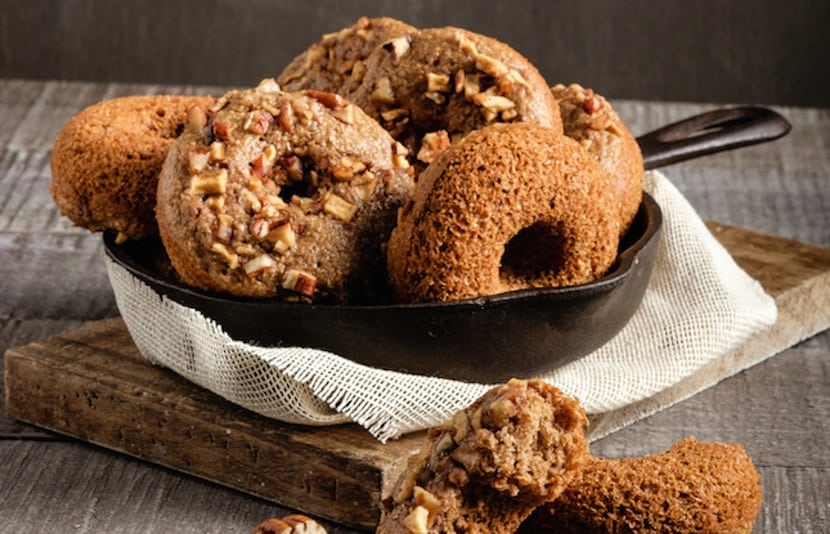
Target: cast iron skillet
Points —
{"points": [[490, 339]]}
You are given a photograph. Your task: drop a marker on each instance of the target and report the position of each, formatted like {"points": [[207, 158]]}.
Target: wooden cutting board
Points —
{"points": [[93, 384]]}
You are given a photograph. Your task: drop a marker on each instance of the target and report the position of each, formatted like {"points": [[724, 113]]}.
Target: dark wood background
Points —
{"points": [[759, 51]]}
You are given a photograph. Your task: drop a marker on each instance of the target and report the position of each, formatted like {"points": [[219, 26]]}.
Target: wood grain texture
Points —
{"points": [[797, 275], [110, 396], [72, 487]]}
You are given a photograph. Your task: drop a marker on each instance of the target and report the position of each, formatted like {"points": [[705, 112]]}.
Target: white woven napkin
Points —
{"points": [[699, 306]]}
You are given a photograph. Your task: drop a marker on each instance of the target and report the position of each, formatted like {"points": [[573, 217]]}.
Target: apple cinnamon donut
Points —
{"points": [[282, 194], [590, 119], [509, 207], [328, 64], [106, 160], [433, 86]]}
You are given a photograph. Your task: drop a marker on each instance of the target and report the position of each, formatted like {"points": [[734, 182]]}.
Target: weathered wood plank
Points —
{"points": [[109, 395], [71, 487], [797, 275]]}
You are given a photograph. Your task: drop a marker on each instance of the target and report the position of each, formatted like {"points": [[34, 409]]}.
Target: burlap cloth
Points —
{"points": [[699, 306]]}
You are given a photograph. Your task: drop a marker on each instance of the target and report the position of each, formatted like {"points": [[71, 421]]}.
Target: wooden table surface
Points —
{"points": [[52, 279]]}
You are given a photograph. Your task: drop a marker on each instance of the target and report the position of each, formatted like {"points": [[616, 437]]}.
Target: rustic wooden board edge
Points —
{"points": [[804, 284], [337, 473]]}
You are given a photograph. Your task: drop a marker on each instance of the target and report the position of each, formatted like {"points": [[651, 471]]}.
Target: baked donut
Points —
{"points": [[106, 161], [492, 464], [693, 487], [590, 119], [328, 64], [509, 207], [433, 86], [279, 193]]}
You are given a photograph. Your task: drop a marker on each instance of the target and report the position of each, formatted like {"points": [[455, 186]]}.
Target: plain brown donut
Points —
{"points": [[590, 119], [509, 207], [693, 487], [106, 161]]}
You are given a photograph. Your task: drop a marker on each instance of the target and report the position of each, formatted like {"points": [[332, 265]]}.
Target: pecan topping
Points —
{"points": [[398, 46], [198, 159], [300, 282], [433, 144], [383, 91], [330, 100], [221, 131], [438, 83], [258, 265], [258, 122], [213, 183], [339, 207], [196, 120], [345, 169]]}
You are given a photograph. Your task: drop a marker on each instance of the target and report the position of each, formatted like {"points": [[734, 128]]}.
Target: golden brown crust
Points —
{"points": [[589, 118], [509, 207], [486, 469], [328, 64], [449, 80], [693, 487], [277, 193], [106, 161]]}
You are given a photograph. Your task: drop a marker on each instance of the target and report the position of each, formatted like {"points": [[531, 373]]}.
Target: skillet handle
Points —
{"points": [[713, 131]]}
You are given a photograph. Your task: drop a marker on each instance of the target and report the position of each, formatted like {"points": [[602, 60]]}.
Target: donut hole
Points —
{"points": [[534, 252], [299, 189]]}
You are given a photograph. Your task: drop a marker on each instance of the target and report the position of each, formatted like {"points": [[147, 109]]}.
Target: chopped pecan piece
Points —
{"points": [[339, 207], [438, 83], [213, 183], [300, 282], [433, 144], [282, 237], [228, 256], [398, 46], [196, 120], [221, 131], [383, 92], [197, 159], [416, 521], [258, 122], [217, 151], [259, 264], [330, 100], [345, 169]]}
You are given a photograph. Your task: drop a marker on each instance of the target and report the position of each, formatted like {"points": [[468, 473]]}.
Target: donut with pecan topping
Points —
{"points": [[591, 120], [517, 447], [433, 86], [282, 194], [330, 63]]}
